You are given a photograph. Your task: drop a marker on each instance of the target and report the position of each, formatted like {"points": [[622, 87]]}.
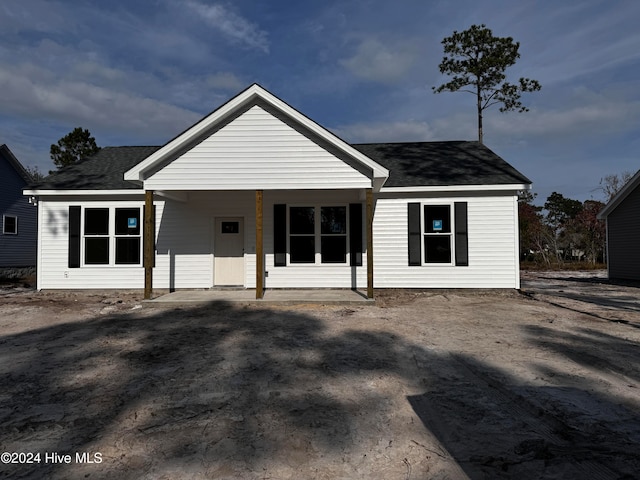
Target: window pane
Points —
{"points": [[96, 251], [127, 221], [128, 250], [437, 219], [96, 221], [437, 248], [230, 227], [333, 220], [334, 249], [302, 249], [301, 220], [10, 225]]}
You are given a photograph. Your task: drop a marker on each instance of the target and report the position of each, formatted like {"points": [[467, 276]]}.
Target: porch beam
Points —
{"points": [[369, 207], [149, 240], [259, 247]]}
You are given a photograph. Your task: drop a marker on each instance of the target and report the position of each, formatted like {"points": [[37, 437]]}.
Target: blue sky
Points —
{"points": [[138, 73]]}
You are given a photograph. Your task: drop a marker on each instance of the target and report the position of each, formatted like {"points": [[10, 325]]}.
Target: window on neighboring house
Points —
{"points": [[9, 225], [320, 230], [101, 238], [437, 234]]}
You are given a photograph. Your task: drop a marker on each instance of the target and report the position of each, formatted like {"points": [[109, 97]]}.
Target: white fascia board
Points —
{"points": [[457, 188], [620, 196], [177, 195], [81, 192], [137, 172]]}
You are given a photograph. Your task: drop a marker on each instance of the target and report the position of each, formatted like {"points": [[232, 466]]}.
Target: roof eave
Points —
{"points": [[620, 196], [458, 188]]}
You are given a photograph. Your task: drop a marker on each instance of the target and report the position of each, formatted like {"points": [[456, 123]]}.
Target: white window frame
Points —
{"points": [[424, 234], [317, 235], [111, 236], [4, 224]]}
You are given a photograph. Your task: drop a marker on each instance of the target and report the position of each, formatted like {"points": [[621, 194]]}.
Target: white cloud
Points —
{"points": [[407, 131], [32, 92], [378, 62], [225, 81], [232, 25], [591, 118]]}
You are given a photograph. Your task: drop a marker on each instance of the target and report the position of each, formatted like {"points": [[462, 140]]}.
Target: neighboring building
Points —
{"points": [[257, 195], [18, 237], [622, 215]]}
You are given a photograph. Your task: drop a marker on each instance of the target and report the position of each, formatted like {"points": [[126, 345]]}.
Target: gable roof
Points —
{"points": [[441, 164], [253, 95], [13, 161], [414, 164], [619, 197], [102, 171]]}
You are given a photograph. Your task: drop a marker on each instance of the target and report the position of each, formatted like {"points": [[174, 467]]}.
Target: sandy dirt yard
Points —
{"points": [[541, 384]]}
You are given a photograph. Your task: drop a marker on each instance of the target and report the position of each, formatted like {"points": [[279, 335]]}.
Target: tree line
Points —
{"points": [[565, 230]]}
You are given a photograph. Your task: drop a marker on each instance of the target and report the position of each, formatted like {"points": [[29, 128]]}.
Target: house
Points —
{"points": [[18, 236], [257, 195], [622, 215]]}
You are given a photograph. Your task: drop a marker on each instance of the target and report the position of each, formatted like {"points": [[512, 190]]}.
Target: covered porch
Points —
{"points": [[247, 240]]}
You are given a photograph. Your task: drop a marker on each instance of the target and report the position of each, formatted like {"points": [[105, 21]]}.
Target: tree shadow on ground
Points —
{"points": [[513, 430], [221, 391], [215, 391]]}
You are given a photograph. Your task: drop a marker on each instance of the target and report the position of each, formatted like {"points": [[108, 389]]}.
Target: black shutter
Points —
{"points": [[355, 234], [74, 237], [462, 242], [280, 235], [414, 233]]}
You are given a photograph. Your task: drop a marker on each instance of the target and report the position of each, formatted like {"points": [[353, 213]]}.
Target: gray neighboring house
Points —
{"points": [[18, 234], [622, 215]]}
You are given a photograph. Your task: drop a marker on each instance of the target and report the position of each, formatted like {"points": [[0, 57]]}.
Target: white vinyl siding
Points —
{"points": [[492, 223], [53, 250], [185, 246], [256, 151]]}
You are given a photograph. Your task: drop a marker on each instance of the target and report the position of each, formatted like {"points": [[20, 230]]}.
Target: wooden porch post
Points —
{"points": [[259, 247], [369, 243], [149, 241]]}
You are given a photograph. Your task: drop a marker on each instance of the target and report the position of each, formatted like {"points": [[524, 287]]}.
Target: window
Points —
{"points": [[102, 239], [314, 230], [437, 234], [127, 236], [230, 227], [96, 236], [9, 225], [302, 239], [333, 234]]}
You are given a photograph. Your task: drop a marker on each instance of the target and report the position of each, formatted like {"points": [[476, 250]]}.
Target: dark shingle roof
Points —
{"points": [[102, 171], [441, 163], [409, 165]]}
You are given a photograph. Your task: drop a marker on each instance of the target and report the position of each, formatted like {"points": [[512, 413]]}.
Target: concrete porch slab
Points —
{"points": [[280, 297]]}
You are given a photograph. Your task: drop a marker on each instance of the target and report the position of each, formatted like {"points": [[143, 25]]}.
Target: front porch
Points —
{"points": [[320, 296], [194, 249]]}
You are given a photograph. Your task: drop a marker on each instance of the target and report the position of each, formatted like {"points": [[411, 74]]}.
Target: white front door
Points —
{"points": [[229, 252]]}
